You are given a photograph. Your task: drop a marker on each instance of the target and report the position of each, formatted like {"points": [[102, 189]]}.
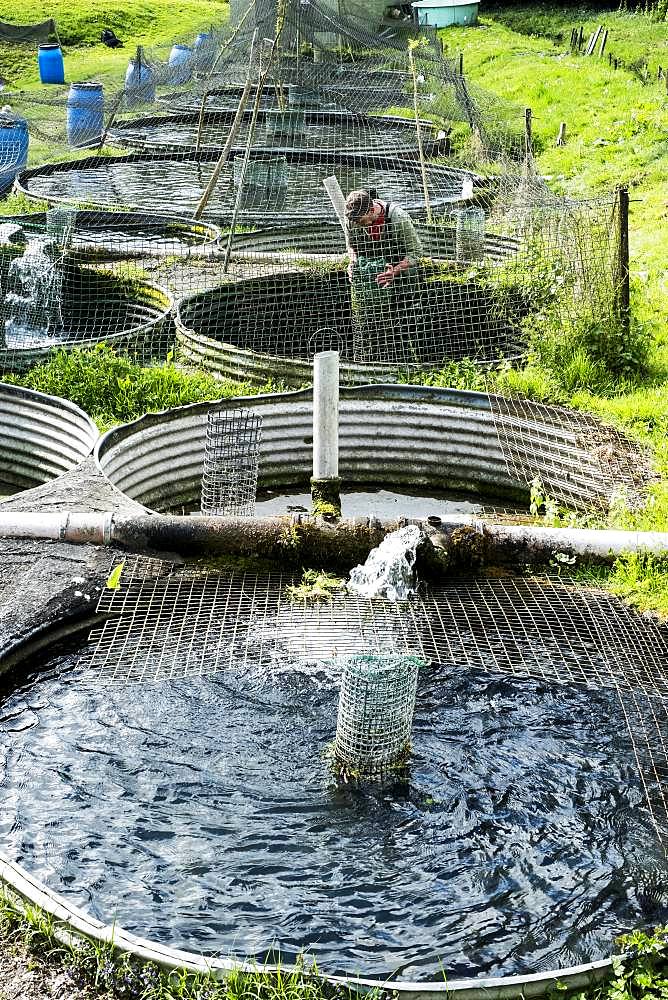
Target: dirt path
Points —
{"points": [[26, 976]]}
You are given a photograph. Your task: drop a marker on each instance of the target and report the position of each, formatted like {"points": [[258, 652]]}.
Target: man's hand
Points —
{"points": [[386, 277]]}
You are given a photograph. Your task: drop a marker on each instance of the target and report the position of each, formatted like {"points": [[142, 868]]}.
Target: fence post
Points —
{"points": [[528, 140], [623, 270]]}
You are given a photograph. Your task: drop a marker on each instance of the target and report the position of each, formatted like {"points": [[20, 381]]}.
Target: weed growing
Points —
{"points": [[113, 389], [97, 966]]}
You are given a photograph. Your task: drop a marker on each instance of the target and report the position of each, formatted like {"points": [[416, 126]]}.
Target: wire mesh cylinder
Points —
{"points": [[376, 707], [231, 455], [470, 233]]}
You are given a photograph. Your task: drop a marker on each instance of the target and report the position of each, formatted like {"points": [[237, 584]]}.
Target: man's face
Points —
{"points": [[366, 220]]}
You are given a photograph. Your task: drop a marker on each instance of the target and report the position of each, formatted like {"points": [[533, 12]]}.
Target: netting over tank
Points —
{"points": [[229, 478], [197, 183], [375, 714]]}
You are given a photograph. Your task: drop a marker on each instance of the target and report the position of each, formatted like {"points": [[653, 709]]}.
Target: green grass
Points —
{"points": [[113, 390], [80, 22], [616, 125], [639, 969], [616, 133]]}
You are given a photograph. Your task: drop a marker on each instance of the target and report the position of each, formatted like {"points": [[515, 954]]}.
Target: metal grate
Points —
{"points": [[231, 455], [166, 622]]}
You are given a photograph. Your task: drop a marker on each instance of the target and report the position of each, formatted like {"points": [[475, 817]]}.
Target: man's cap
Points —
{"points": [[358, 203]]}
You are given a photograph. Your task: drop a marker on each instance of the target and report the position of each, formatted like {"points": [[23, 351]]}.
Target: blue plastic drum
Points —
{"points": [[139, 84], [50, 63], [85, 114], [180, 64], [204, 51], [13, 148]]}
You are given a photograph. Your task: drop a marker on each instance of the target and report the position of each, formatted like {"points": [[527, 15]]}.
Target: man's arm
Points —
{"points": [[405, 231]]}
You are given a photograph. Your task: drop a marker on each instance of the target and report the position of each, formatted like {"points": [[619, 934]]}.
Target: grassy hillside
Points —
{"points": [[617, 126], [617, 132], [79, 24]]}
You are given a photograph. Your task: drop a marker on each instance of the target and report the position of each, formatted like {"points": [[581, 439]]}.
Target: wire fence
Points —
{"points": [[250, 271]]}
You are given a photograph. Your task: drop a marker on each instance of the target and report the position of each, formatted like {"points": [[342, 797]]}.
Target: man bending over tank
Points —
{"points": [[383, 247], [382, 233]]}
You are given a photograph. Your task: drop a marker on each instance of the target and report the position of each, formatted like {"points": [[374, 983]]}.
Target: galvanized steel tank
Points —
{"points": [[389, 435], [41, 437]]}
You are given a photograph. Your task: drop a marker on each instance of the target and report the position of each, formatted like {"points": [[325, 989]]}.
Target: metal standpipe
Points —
{"points": [[325, 483]]}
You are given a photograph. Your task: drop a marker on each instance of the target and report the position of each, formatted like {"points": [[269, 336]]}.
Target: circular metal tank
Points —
{"points": [[152, 180], [319, 131], [274, 323], [41, 437], [112, 235], [390, 435], [97, 307]]}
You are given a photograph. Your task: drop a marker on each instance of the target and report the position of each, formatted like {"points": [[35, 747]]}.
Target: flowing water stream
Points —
{"points": [[33, 301]]}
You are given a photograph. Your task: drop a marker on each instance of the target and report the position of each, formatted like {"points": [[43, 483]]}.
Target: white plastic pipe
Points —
{"points": [[326, 415], [333, 189]]}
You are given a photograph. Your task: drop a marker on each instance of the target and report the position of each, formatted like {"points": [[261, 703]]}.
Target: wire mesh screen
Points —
{"points": [[166, 622], [375, 713], [231, 455], [573, 458]]}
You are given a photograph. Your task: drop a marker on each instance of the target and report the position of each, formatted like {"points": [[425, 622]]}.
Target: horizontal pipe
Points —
{"points": [[322, 541]]}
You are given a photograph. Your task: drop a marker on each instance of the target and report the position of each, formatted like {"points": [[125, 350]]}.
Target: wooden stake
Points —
{"points": [[624, 287], [461, 64], [593, 40], [200, 123], [423, 167], [604, 39], [234, 128], [528, 141], [561, 138]]}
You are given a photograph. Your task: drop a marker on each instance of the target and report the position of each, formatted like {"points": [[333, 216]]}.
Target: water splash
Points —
{"points": [[33, 303], [388, 571]]}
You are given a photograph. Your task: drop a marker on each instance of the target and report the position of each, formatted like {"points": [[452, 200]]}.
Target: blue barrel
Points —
{"points": [[13, 148], [50, 63], [180, 64], [204, 51], [139, 84], [85, 114]]}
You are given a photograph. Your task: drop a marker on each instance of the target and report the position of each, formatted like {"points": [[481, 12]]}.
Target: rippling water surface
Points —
{"points": [[203, 813], [153, 184]]}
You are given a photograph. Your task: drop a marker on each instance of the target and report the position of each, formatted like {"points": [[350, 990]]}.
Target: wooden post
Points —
{"points": [[580, 37], [234, 128], [528, 143], [200, 123], [604, 38], [593, 40], [624, 286], [561, 138], [418, 133], [461, 64]]}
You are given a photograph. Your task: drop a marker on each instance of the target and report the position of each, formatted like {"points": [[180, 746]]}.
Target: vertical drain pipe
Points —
{"points": [[326, 484]]}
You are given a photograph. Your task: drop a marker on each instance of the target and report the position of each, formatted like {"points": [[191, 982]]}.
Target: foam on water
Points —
{"points": [[33, 303], [388, 571]]}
